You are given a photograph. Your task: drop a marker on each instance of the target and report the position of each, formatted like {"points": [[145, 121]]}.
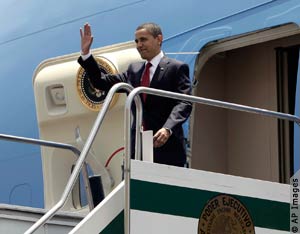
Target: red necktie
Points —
{"points": [[146, 79]]}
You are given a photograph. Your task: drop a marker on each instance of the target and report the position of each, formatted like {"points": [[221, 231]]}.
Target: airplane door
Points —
{"points": [[297, 127]]}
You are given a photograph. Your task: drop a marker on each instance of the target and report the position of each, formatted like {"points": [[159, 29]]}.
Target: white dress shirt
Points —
{"points": [[155, 61]]}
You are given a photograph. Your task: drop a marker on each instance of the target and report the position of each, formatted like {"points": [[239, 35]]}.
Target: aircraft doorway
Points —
{"points": [[244, 70]]}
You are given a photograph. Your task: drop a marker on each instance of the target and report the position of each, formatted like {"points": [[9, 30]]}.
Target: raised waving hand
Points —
{"points": [[86, 38]]}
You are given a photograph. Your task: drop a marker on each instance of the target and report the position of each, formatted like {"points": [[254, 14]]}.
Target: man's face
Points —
{"points": [[147, 45]]}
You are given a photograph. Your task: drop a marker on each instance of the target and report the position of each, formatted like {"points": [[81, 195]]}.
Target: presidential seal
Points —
{"points": [[225, 214], [91, 97]]}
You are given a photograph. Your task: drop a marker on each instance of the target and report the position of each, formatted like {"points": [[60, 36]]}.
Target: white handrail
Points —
{"points": [[133, 96], [135, 93], [82, 156]]}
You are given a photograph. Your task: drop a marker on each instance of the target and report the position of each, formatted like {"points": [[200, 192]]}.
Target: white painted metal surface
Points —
{"points": [[17, 219]]}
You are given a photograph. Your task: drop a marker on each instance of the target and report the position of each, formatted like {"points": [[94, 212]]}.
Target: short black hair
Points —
{"points": [[152, 28]]}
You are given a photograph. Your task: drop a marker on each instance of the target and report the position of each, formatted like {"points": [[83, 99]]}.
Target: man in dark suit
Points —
{"points": [[164, 116]]}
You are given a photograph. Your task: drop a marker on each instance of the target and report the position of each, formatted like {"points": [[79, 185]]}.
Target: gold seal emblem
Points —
{"points": [[225, 214], [88, 94]]}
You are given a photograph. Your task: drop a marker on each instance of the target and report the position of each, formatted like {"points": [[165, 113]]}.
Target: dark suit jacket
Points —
{"points": [[158, 112]]}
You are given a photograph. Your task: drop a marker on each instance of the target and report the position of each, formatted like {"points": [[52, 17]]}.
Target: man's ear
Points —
{"points": [[160, 38]]}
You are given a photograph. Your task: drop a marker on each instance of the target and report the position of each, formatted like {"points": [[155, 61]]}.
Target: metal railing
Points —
{"points": [[133, 96], [84, 154], [184, 97], [59, 145]]}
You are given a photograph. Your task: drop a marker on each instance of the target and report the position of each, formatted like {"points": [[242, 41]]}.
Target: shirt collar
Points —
{"points": [[155, 61]]}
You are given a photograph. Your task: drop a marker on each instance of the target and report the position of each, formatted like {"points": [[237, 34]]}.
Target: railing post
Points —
{"points": [[127, 164]]}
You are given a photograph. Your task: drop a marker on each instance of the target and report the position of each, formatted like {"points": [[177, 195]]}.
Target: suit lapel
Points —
{"points": [[159, 72], [136, 82]]}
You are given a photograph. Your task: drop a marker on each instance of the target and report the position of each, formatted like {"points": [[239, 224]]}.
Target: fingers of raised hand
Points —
{"points": [[87, 30]]}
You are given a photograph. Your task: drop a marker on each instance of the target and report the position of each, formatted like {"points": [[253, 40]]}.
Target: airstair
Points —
{"points": [[157, 198]]}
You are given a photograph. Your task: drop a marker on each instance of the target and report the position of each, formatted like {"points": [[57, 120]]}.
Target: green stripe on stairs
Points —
{"points": [[189, 202], [116, 226]]}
